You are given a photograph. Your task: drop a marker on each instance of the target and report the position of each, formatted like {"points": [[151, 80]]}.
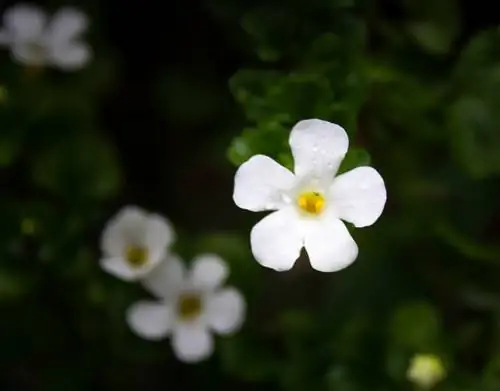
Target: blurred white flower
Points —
{"points": [[134, 242], [36, 41], [426, 370], [192, 305], [309, 204]]}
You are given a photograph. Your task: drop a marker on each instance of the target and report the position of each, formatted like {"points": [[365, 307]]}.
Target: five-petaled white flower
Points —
{"points": [[192, 305], [36, 41], [134, 242], [309, 205]]}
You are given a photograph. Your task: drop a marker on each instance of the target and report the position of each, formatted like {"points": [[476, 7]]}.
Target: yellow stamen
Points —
{"points": [[136, 256], [189, 306], [311, 202]]}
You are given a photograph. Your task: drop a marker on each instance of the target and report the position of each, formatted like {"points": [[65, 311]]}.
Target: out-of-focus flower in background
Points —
{"points": [[192, 305], [38, 41], [426, 370], [310, 204], [134, 242]]}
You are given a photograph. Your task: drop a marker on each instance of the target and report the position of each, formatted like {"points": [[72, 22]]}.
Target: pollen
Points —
{"points": [[136, 256], [311, 202], [189, 306]]}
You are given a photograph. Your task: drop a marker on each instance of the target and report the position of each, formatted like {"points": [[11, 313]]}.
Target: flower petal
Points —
{"points": [[167, 278], [225, 310], [66, 24], [208, 271], [359, 196], [150, 320], [4, 37], [276, 240], [118, 267], [260, 183], [71, 55], [159, 235], [24, 22], [318, 148], [329, 245], [22, 52], [192, 342], [126, 227]]}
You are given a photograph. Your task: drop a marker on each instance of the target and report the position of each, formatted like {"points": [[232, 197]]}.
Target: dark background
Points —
{"points": [[163, 108]]}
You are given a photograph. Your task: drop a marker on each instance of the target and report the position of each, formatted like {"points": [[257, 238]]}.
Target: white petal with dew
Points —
{"points": [[260, 184], [318, 148], [359, 196], [276, 240], [329, 245]]}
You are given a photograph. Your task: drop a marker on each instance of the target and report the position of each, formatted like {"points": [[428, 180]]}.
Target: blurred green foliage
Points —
{"points": [[415, 84]]}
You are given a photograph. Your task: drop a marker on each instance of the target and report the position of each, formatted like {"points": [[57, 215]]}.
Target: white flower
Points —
{"points": [[134, 242], [37, 41], [192, 305], [309, 204], [426, 370]]}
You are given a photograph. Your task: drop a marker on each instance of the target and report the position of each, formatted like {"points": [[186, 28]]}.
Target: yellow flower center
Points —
{"points": [[136, 256], [311, 202], [189, 306]]}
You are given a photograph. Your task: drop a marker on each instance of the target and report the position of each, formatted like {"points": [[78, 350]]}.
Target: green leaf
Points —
{"points": [[351, 336], [474, 123], [467, 246], [478, 64], [355, 157], [297, 322], [473, 118], [435, 25], [14, 286], [239, 151], [269, 138], [415, 326], [397, 364], [83, 166], [491, 373], [297, 95], [341, 378], [248, 359], [9, 149], [4, 95], [432, 36]]}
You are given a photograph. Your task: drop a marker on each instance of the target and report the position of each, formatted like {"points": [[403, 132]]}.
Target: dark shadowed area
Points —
{"points": [[174, 99]]}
